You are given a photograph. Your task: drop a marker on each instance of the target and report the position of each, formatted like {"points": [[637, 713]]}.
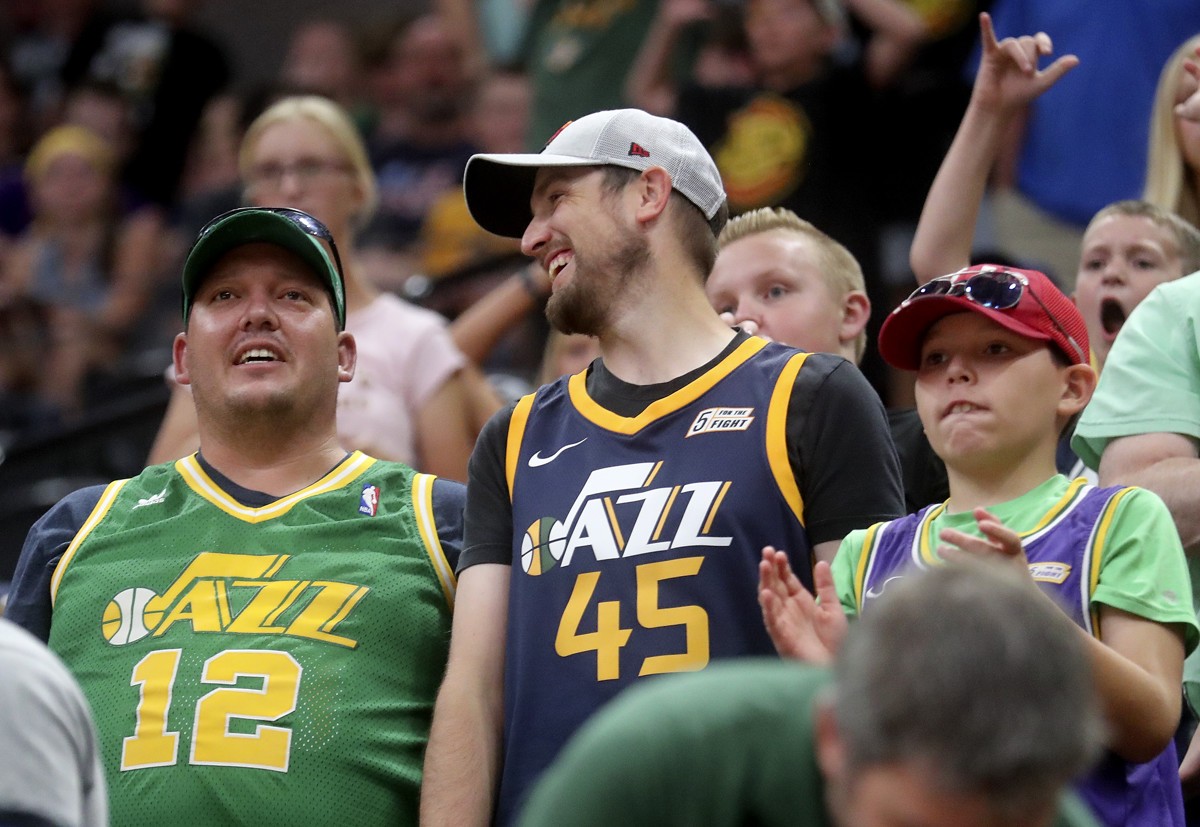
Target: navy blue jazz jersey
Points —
{"points": [[637, 540]]}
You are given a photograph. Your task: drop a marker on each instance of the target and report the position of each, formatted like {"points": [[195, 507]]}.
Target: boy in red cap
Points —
{"points": [[1002, 364]]}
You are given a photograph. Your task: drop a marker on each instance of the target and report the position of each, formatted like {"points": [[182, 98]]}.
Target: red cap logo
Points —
{"points": [[557, 132], [636, 149]]}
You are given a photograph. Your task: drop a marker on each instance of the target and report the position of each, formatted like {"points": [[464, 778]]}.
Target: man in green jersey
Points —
{"points": [[260, 628]]}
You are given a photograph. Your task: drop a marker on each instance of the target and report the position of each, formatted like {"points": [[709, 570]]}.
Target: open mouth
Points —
{"points": [[257, 355], [1112, 316]]}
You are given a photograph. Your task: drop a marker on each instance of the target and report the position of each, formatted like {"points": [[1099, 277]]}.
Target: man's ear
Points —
{"points": [[856, 312], [179, 359], [347, 356], [653, 193], [1078, 387]]}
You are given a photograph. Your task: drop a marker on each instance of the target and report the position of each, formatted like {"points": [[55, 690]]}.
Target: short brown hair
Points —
{"points": [[697, 234]]}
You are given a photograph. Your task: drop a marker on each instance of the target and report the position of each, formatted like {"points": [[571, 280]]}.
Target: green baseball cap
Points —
{"points": [[293, 230]]}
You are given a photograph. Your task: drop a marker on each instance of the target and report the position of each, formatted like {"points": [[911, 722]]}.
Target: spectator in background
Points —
{"points": [[410, 399], [1127, 248], [804, 134], [960, 701], [168, 71], [1173, 161], [498, 121], [419, 143], [322, 59], [93, 270], [1044, 194], [780, 277], [45, 32]]}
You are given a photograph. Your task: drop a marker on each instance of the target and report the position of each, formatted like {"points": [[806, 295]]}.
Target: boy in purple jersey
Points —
{"points": [[1001, 358]]}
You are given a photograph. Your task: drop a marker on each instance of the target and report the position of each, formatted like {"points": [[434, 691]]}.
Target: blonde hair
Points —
{"points": [[839, 268], [1169, 183], [337, 124], [69, 140], [1185, 235]]}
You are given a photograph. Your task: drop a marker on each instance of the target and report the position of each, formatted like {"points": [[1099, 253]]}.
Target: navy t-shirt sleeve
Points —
{"points": [[489, 511], [449, 501], [47, 540]]}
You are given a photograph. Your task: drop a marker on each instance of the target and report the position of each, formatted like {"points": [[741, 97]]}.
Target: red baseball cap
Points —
{"points": [[1023, 301]]}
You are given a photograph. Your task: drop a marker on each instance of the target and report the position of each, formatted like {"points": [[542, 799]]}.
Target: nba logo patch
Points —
{"points": [[369, 502]]}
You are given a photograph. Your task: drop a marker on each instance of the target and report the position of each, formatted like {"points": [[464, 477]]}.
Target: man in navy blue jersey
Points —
{"points": [[615, 518]]}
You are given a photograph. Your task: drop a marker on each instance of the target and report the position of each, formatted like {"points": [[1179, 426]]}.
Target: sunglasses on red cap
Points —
{"points": [[993, 288]]}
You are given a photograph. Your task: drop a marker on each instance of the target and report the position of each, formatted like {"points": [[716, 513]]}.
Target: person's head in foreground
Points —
{"points": [[792, 282], [1128, 249], [616, 198], [264, 313], [963, 699], [1002, 364]]}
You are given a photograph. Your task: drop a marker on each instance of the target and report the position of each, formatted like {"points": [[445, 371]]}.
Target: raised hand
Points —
{"points": [[799, 625], [1008, 74]]}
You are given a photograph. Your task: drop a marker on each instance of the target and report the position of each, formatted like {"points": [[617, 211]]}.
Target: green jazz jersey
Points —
{"points": [[273, 665]]}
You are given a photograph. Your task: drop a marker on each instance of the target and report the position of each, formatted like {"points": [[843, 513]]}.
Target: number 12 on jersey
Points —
{"points": [[153, 744]]}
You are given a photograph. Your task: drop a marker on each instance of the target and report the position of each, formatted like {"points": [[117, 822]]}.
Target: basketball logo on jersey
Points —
{"points": [[234, 594], [618, 513], [369, 502], [719, 420]]}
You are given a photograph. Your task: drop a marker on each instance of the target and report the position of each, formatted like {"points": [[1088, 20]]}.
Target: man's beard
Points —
{"points": [[586, 304]]}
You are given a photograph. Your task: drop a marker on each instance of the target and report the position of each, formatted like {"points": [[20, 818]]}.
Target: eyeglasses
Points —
{"points": [[305, 171], [300, 218], [992, 288]]}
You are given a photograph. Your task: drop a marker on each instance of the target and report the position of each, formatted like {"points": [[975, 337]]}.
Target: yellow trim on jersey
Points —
{"points": [[1095, 552], [422, 497], [777, 455], [924, 545], [689, 393], [345, 472], [516, 434], [864, 558], [1074, 492], [98, 513]]}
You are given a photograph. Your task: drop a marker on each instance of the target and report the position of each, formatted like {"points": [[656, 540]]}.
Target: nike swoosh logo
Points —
{"points": [[537, 460], [873, 593]]}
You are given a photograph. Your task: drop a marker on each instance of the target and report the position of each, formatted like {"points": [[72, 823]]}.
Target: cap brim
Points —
{"points": [[260, 227], [903, 330], [498, 188]]}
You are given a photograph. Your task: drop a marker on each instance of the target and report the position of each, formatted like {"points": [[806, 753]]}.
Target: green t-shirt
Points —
{"points": [[726, 747], [1141, 566], [1151, 384]]}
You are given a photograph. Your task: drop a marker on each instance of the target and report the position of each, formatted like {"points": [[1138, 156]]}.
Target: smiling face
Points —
{"points": [[581, 237], [990, 398], [1122, 259], [262, 342], [774, 279]]}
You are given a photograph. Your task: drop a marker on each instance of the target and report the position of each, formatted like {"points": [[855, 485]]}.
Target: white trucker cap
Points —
{"points": [[498, 186]]}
